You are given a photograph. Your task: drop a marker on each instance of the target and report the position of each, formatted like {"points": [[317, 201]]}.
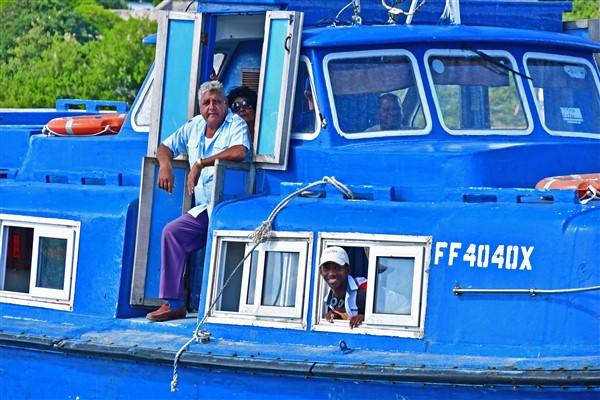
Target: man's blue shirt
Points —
{"points": [[190, 139]]}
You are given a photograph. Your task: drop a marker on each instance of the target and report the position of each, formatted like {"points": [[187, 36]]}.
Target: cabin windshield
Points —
{"points": [[376, 94], [477, 93], [566, 93]]}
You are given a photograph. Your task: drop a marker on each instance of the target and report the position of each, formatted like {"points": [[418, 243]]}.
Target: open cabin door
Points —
{"points": [[279, 67], [176, 75]]}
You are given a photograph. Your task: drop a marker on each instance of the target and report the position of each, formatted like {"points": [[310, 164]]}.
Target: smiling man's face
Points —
{"points": [[334, 274]]}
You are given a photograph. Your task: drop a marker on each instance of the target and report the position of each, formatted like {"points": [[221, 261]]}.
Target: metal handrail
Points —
{"points": [[533, 291]]}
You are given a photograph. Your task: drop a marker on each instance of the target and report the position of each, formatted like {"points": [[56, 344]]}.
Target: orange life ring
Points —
{"points": [[85, 125], [581, 183]]}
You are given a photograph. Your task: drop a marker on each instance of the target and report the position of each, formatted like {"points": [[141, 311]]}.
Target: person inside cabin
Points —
{"points": [[216, 134], [242, 101], [389, 112], [306, 121], [346, 296]]}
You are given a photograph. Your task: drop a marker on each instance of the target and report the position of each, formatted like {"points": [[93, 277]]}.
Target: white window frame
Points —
{"points": [[58, 299], [479, 132], [409, 326], [414, 252], [378, 53], [257, 308], [257, 315], [145, 101], [556, 57]]}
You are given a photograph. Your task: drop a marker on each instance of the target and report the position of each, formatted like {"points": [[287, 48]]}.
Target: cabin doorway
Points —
{"points": [[233, 49]]}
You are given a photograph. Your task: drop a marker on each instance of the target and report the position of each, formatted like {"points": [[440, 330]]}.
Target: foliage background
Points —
{"points": [[52, 49], [583, 9], [70, 49]]}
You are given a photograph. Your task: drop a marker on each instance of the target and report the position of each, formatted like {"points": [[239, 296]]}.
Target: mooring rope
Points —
{"points": [[261, 234]]}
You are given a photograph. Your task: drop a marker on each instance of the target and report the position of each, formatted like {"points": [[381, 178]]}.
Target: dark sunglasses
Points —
{"points": [[237, 106]]}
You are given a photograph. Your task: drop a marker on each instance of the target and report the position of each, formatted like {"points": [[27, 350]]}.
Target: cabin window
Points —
{"points": [[376, 93], [396, 268], [266, 288], [477, 93], [566, 93], [218, 62], [38, 261], [305, 123], [140, 120]]}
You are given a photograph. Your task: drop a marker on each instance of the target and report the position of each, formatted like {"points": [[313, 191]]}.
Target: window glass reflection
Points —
{"points": [[51, 263], [394, 285], [566, 95], [476, 93]]}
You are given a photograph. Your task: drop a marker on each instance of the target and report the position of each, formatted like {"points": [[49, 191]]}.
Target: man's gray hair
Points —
{"points": [[212, 86]]}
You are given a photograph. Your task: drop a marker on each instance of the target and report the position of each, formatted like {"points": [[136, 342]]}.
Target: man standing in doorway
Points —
{"points": [[215, 134]]}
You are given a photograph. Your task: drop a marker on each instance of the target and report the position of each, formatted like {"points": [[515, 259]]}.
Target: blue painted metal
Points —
{"points": [[92, 105], [453, 188], [504, 13]]}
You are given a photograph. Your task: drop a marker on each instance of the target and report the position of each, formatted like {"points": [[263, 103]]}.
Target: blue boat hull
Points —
{"points": [[31, 373]]}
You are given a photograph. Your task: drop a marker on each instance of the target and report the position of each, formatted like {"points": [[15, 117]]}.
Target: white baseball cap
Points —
{"points": [[334, 254]]}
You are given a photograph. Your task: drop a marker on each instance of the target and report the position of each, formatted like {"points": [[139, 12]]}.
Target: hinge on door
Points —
{"points": [[204, 38]]}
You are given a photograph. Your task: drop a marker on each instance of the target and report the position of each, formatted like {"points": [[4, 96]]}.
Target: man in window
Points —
{"points": [[389, 112], [346, 296], [216, 134]]}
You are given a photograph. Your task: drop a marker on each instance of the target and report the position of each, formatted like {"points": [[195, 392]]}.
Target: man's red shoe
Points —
{"points": [[166, 314]]}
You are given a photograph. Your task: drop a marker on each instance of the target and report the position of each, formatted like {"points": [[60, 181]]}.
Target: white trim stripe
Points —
{"points": [[69, 126]]}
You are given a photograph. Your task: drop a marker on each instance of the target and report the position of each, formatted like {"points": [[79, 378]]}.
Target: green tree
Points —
{"points": [[582, 9], [113, 4], [52, 16], [42, 64]]}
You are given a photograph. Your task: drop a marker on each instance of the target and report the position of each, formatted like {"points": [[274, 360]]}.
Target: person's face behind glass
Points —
{"points": [[242, 107], [390, 113]]}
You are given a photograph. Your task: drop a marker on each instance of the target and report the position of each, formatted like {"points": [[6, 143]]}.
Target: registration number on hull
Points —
{"points": [[483, 255]]}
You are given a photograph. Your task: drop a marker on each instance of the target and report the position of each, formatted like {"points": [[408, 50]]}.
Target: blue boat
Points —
{"points": [[474, 216]]}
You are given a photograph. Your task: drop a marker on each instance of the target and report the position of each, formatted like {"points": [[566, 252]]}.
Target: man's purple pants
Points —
{"points": [[180, 237]]}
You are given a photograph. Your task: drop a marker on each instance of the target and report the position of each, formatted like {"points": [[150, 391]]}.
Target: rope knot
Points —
{"points": [[262, 233]]}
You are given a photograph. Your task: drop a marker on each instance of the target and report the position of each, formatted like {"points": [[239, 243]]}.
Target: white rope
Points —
{"points": [[262, 233], [451, 14], [591, 194]]}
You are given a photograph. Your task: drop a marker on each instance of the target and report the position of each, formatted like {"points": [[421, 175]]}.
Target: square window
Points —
{"points": [[396, 269], [387, 84], [260, 284], [478, 93], [38, 261], [566, 94]]}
